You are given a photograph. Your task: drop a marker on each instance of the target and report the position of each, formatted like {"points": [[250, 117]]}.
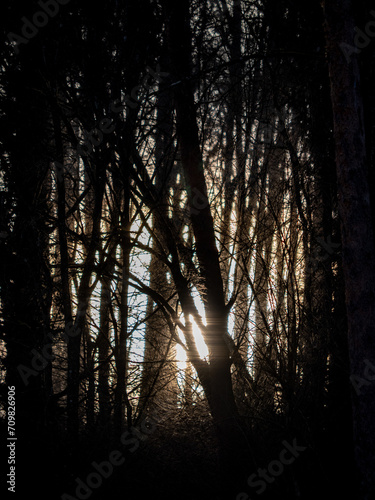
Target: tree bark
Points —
{"points": [[219, 390], [83, 296], [103, 341], [121, 356], [358, 252], [159, 376]]}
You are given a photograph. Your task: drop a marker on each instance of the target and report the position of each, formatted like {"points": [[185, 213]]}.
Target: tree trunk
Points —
{"points": [[121, 352], [83, 297], [25, 281], [159, 375], [358, 251], [219, 390], [104, 342]]}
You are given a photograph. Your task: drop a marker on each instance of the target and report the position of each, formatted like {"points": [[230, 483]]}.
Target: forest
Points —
{"points": [[187, 249]]}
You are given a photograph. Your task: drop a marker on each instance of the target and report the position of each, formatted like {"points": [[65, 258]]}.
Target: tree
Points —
{"points": [[216, 375], [358, 252]]}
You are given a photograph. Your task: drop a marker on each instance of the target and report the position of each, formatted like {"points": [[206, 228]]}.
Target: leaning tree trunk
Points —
{"points": [[358, 252], [219, 389]]}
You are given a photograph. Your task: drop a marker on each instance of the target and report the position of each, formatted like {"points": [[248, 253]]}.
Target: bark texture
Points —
{"points": [[356, 227]]}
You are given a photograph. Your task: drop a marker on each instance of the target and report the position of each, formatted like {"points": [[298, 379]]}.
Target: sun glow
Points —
{"points": [[199, 340], [198, 337]]}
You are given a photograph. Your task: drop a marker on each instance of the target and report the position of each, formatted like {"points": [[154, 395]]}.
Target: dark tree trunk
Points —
{"points": [[121, 354], [26, 288], [218, 384], [83, 296], [358, 251], [104, 343], [159, 381]]}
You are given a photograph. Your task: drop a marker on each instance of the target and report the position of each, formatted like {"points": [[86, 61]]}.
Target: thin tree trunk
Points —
{"points": [[121, 356], [104, 343], [83, 297], [159, 376], [88, 347]]}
